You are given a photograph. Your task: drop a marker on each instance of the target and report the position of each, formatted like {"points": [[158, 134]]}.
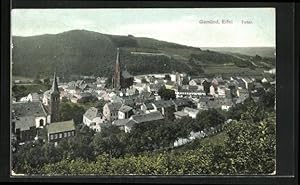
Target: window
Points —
{"points": [[55, 136], [51, 137], [60, 135], [41, 122], [65, 134], [69, 134]]}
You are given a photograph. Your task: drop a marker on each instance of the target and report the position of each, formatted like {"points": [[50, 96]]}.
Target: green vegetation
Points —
{"points": [[19, 91], [166, 94], [69, 110], [40, 56], [248, 149]]}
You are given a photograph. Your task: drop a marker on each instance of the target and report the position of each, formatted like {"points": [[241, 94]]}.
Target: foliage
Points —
{"points": [[19, 91], [208, 118], [110, 140], [67, 52], [70, 111], [166, 94], [250, 148]]}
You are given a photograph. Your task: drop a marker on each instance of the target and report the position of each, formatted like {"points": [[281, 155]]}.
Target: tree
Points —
{"points": [[249, 149], [111, 141], [267, 99], [166, 94], [185, 81], [236, 111], [208, 118], [206, 86], [70, 111], [167, 77]]}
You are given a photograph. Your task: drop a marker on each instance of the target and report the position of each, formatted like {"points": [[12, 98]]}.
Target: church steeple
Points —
{"points": [[54, 101], [117, 72], [54, 88]]}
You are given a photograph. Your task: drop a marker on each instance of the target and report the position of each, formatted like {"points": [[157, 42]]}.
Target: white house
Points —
{"points": [[264, 80], [140, 87], [125, 112], [212, 90], [93, 118], [111, 110], [31, 97], [147, 108], [191, 112], [221, 91]]}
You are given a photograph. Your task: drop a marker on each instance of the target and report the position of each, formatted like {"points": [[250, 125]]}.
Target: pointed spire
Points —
{"points": [[118, 54], [54, 88]]}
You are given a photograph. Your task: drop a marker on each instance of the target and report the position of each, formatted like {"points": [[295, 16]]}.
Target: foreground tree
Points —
{"points": [[208, 118]]}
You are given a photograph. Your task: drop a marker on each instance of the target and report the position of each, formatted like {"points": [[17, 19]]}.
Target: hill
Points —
{"points": [[81, 52], [251, 51]]}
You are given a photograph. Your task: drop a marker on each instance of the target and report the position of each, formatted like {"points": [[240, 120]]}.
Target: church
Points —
{"points": [[29, 117], [121, 79]]}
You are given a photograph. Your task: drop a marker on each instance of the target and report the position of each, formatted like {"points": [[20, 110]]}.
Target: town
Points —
{"points": [[129, 101]]}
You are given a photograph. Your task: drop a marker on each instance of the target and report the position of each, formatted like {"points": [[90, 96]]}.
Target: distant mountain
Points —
{"points": [[81, 52], [251, 51]]}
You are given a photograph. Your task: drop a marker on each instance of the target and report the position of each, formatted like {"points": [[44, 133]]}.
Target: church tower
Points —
{"points": [[54, 101], [117, 73]]}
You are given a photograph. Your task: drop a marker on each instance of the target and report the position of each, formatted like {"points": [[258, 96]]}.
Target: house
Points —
{"points": [[171, 85], [120, 123], [147, 108], [100, 82], [222, 103], [30, 97], [189, 91], [191, 112], [138, 79], [266, 80], [131, 91], [27, 118], [243, 94], [212, 90], [125, 112], [180, 103], [222, 91], [165, 107], [202, 105], [128, 101], [115, 99], [247, 82], [93, 118], [180, 114], [195, 82], [111, 110], [140, 87], [271, 71], [154, 87], [142, 118], [59, 130]]}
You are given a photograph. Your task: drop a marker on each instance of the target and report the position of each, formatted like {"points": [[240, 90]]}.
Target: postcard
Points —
{"points": [[143, 91]]}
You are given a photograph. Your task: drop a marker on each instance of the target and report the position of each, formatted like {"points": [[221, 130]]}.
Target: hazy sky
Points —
{"points": [[174, 25]]}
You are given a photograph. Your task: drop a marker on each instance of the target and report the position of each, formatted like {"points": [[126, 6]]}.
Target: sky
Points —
{"points": [[178, 25]]}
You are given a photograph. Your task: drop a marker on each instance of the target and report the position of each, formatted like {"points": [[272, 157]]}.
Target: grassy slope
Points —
{"points": [[92, 53]]}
